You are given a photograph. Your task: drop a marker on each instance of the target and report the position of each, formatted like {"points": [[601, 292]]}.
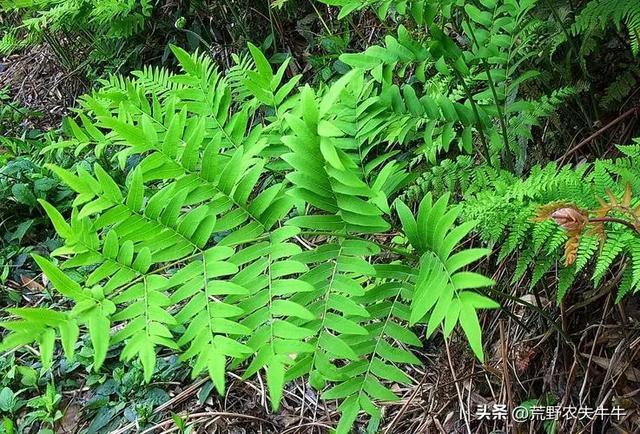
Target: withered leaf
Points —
{"points": [[571, 248], [626, 198], [613, 200]]}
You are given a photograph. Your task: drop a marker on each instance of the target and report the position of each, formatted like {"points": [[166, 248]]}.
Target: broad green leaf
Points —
{"points": [[99, 327], [61, 282], [345, 389], [469, 279], [473, 331], [46, 343], [59, 223], [275, 383], [262, 64], [349, 410], [69, 332]]}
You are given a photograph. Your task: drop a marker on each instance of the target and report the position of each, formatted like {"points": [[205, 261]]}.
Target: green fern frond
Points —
{"points": [[587, 248], [209, 249], [597, 14], [626, 284], [566, 278], [441, 288], [620, 88], [541, 267], [516, 236]]}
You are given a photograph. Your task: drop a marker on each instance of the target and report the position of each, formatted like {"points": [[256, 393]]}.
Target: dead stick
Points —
{"points": [[505, 366], [632, 111], [417, 389]]}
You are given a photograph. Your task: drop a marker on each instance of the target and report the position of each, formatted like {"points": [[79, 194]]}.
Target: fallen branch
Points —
{"points": [[635, 111]]}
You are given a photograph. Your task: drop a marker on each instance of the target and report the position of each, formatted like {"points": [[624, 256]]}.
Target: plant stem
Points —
{"points": [[355, 237], [483, 138], [501, 117], [615, 220]]}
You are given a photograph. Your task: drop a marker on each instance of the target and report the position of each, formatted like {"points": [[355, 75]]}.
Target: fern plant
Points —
{"points": [[506, 207], [620, 88], [459, 88], [103, 30], [598, 14], [117, 18], [250, 247]]}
